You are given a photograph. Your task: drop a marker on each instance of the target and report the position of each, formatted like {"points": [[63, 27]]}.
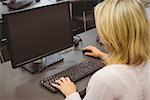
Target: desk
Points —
{"points": [[18, 84], [5, 9]]}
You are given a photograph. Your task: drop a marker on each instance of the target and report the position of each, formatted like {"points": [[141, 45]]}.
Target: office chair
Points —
{"points": [[4, 55], [1, 57], [83, 13]]}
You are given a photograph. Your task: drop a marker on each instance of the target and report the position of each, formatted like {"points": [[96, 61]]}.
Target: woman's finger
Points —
{"points": [[56, 85], [88, 54], [67, 78], [59, 82], [62, 79]]}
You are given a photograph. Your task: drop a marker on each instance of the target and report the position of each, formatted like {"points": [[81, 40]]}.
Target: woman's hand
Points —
{"points": [[65, 86], [94, 52]]}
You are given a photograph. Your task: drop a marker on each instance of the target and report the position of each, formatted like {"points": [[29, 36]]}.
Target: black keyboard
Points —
{"points": [[74, 72]]}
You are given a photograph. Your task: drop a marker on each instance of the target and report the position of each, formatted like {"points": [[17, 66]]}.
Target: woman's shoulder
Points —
{"points": [[118, 72], [111, 69], [110, 73]]}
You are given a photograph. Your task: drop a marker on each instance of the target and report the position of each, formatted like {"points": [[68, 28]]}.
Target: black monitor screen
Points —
{"points": [[38, 32]]}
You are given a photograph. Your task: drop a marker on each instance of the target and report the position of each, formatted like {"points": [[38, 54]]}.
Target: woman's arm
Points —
{"points": [[98, 88]]}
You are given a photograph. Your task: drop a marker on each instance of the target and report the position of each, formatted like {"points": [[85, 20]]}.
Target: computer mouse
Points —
{"points": [[84, 51]]}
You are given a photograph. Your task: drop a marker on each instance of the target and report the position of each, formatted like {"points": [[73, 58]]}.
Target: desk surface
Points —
{"points": [[18, 84], [5, 9]]}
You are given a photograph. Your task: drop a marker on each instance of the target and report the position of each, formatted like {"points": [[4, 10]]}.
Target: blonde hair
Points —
{"points": [[124, 29]]}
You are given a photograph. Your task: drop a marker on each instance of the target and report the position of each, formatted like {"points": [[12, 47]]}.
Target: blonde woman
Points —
{"points": [[123, 28]]}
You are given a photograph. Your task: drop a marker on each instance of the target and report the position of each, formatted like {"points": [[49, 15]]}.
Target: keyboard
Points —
{"points": [[75, 73]]}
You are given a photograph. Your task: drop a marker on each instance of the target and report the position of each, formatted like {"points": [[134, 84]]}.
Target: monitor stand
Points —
{"points": [[39, 65]]}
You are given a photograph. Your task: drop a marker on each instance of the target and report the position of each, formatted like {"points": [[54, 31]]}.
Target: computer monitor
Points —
{"points": [[37, 33]]}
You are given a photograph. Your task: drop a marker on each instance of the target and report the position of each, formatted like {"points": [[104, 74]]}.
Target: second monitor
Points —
{"points": [[38, 32]]}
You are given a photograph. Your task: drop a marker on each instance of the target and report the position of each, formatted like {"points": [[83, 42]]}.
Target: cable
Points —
{"points": [[99, 40], [76, 40]]}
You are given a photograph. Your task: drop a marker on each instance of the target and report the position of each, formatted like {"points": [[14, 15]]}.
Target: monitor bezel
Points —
{"points": [[11, 51]]}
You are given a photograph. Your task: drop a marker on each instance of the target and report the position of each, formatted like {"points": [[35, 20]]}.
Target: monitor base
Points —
{"points": [[39, 65]]}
